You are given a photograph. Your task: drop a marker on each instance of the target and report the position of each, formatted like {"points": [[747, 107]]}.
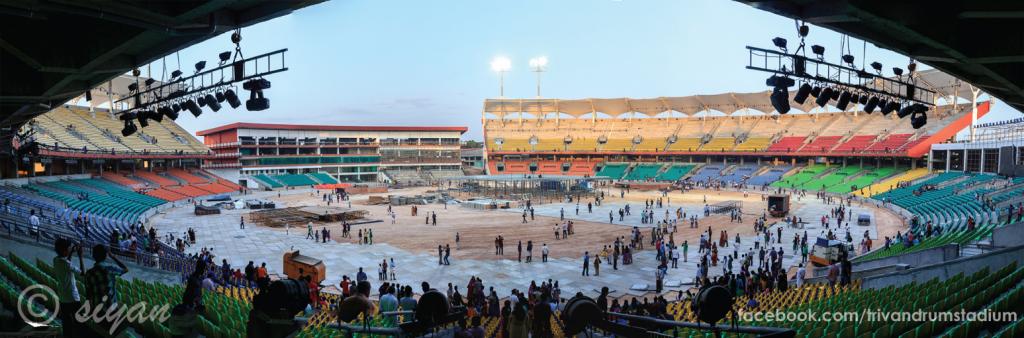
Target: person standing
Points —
{"points": [[521, 246], [586, 263], [64, 273], [529, 251], [241, 223], [309, 230], [447, 253], [440, 255], [686, 247], [101, 279], [457, 240], [597, 264], [544, 253], [675, 259]]}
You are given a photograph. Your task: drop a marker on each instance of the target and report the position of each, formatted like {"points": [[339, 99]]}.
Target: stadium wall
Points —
{"points": [[992, 260]]}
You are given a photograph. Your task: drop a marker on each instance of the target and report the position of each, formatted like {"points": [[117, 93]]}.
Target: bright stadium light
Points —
{"points": [[501, 65], [539, 65]]}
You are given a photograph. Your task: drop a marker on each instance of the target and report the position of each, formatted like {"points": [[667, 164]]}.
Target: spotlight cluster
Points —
{"points": [[842, 94], [205, 89]]}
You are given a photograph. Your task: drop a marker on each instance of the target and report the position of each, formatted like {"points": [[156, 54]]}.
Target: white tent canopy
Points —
{"points": [[727, 103], [943, 84]]}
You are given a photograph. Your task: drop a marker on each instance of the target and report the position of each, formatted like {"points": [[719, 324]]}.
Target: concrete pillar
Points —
{"points": [[948, 159], [981, 161]]}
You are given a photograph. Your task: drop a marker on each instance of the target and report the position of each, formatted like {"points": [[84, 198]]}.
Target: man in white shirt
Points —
{"points": [[33, 221], [67, 290], [544, 253]]}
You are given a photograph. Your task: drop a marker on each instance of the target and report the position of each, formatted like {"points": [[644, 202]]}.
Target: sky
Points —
{"points": [[416, 63]]}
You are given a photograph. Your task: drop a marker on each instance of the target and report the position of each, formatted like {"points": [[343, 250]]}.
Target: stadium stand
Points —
{"points": [[856, 143], [803, 176], [740, 173], [711, 171], [719, 144], [867, 177], [643, 172], [613, 170], [892, 182], [821, 144], [787, 144], [769, 175], [753, 144], [675, 172]]}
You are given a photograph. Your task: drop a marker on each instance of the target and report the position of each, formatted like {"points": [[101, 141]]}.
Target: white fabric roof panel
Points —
{"points": [[728, 103]]}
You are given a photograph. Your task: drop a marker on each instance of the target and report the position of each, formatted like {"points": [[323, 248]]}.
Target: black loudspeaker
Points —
{"points": [[712, 304], [580, 311], [1008, 162]]}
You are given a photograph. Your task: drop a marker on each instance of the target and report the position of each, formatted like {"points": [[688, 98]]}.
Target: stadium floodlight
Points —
{"points": [[133, 87], [920, 118], [143, 117], [819, 51], [870, 106], [848, 59], [224, 56], [219, 96], [779, 42], [232, 98], [200, 65], [854, 98], [897, 70], [175, 74], [211, 102], [155, 115], [826, 94], [912, 66], [193, 107], [780, 99], [889, 106], [802, 93], [780, 92], [501, 65], [906, 111], [167, 111], [256, 101], [816, 91], [844, 100], [129, 128], [863, 98], [877, 67], [150, 82]]}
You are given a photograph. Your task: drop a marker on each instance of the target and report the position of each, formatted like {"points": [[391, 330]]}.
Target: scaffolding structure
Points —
{"points": [[535, 188]]}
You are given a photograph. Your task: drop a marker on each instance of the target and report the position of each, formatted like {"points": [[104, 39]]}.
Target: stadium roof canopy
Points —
{"points": [[977, 41], [728, 103], [310, 127], [54, 50]]}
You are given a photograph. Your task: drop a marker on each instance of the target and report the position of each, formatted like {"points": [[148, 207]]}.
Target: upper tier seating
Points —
{"points": [[618, 144], [856, 144], [719, 144], [821, 144], [651, 144], [753, 144], [890, 143], [685, 144], [787, 144]]}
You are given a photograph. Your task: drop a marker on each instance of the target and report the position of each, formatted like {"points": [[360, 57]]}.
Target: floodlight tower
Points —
{"points": [[501, 65], [539, 65]]}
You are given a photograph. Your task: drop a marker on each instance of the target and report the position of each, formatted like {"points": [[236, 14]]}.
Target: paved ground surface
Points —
{"points": [[413, 245]]}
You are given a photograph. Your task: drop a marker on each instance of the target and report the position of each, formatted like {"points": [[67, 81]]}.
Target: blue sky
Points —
{"points": [[382, 62]]}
